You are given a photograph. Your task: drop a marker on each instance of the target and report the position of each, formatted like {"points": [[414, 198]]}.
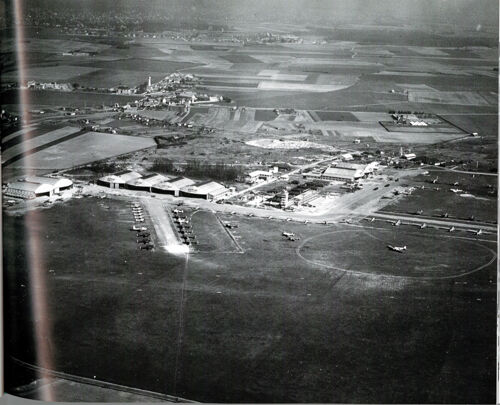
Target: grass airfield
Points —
{"points": [[250, 316], [279, 322]]}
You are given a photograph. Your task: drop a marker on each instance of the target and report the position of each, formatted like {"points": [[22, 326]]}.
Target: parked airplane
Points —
{"points": [[451, 229], [479, 232], [397, 223], [373, 219], [141, 228], [176, 211], [423, 226], [288, 234], [399, 249]]}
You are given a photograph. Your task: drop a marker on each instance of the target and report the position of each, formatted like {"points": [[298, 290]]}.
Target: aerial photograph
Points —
{"points": [[235, 201]]}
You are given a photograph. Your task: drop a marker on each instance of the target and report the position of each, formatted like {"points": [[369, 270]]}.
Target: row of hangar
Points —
{"points": [[157, 183], [37, 186]]}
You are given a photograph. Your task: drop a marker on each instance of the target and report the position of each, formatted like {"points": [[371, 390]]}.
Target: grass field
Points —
{"points": [[437, 202], [49, 74], [31, 142], [84, 149], [141, 65], [211, 234], [335, 116], [278, 328]]}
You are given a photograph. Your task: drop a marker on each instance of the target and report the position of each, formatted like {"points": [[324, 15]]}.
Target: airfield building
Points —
{"points": [[210, 190], [257, 175], [172, 186], [37, 186], [348, 173], [146, 183], [28, 190], [118, 180], [58, 184]]}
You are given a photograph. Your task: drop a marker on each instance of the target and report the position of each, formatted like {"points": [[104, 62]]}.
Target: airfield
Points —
{"points": [[246, 314]]}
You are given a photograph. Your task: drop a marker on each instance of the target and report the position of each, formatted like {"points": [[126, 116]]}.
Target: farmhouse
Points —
{"points": [[409, 156], [118, 180], [208, 191], [172, 186]]}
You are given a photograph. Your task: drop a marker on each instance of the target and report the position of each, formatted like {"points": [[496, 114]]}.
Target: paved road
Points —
{"points": [[163, 226]]}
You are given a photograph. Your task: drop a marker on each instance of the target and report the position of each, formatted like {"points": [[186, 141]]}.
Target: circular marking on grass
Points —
{"points": [[385, 251]]}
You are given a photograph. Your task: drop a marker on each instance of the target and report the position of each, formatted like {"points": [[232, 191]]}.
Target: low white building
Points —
{"points": [[261, 175]]}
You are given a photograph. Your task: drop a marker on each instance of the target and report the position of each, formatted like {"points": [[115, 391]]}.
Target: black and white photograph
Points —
{"points": [[250, 201]]}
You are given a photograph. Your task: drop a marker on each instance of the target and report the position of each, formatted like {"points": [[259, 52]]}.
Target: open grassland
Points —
{"points": [[61, 73], [83, 149], [272, 326], [31, 142]]}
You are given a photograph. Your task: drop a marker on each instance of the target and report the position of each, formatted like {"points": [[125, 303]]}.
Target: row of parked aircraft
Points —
{"points": [[137, 212], [143, 237]]}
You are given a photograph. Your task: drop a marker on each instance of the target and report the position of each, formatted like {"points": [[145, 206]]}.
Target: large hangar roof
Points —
{"points": [[341, 172], [31, 187], [149, 180], [54, 182], [121, 177], [211, 187]]}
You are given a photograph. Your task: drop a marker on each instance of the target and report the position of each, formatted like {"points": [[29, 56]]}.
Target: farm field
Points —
{"points": [[51, 74], [30, 143], [90, 146], [260, 311]]}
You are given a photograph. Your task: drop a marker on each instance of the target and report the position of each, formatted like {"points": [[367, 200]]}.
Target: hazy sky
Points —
{"points": [[463, 13]]}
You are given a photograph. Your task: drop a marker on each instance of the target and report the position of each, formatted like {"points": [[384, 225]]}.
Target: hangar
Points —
{"points": [[37, 186], [209, 190], [349, 173], [172, 186], [118, 180], [58, 184], [146, 183], [28, 190]]}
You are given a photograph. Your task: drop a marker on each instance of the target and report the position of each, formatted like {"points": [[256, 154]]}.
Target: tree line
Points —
{"points": [[219, 171]]}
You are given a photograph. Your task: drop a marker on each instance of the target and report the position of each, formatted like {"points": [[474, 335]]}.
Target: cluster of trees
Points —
{"points": [[103, 168], [194, 168]]}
